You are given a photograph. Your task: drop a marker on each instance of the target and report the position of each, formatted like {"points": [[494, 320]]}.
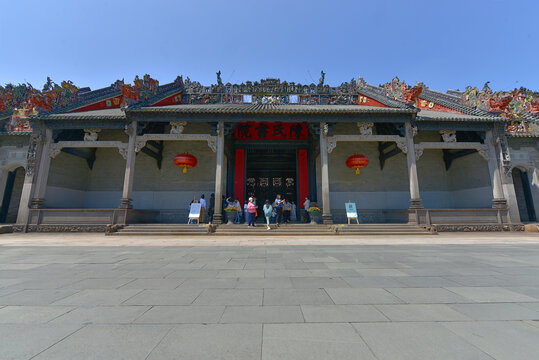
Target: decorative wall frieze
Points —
{"points": [[123, 151], [401, 144], [365, 128], [332, 144], [177, 127], [483, 153], [35, 139], [139, 145], [449, 136], [54, 150], [91, 134]]}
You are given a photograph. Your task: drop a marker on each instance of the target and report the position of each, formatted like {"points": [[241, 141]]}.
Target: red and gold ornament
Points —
{"points": [[357, 161], [185, 161]]}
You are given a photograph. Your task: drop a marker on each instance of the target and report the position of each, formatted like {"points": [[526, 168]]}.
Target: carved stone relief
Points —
{"points": [[449, 136], [177, 127], [365, 128], [91, 134]]}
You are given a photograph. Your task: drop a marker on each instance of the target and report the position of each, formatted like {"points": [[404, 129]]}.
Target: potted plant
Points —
{"points": [[231, 214], [314, 213]]}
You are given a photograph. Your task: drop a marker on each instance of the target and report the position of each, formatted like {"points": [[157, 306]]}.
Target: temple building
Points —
{"points": [[76, 159]]}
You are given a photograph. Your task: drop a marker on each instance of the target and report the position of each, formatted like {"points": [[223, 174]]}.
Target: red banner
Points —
{"points": [[303, 176], [271, 131], [239, 175]]}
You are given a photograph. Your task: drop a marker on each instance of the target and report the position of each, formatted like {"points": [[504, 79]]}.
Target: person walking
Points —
{"points": [[278, 204], [268, 210], [211, 208], [252, 212]]}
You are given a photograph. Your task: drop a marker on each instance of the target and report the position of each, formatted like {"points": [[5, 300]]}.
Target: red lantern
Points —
{"points": [[185, 161], [357, 161]]}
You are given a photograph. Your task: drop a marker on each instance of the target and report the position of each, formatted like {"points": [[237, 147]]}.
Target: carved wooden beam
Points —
{"points": [[482, 149], [399, 140], [55, 148], [141, 140]]}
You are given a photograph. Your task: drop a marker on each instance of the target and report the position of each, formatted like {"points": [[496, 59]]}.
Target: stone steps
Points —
{"points": [[282, 230]]}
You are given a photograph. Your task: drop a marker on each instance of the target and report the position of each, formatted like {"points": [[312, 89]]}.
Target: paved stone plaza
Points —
{"points": [[88, 296]]}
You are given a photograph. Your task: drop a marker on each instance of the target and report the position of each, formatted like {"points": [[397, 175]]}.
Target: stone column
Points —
{"points": [[326, 206], [3, 180], [498, 200], [415, 198], [220, 151], [32, 158], [509, 190], [38, 199], [127, 193]]}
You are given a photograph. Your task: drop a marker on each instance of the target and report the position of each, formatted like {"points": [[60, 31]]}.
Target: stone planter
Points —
{"points": [[231, 215], [315, 218]]}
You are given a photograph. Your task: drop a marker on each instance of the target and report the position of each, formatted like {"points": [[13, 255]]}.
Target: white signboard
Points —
{"points": [[351, 211], [194, 213]]}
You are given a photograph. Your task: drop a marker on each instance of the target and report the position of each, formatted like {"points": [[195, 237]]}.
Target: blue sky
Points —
{"points": [[446, 44]]}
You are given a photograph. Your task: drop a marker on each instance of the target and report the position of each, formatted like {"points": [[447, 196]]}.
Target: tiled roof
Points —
{"points": [[280, 109], [442, 115], [109, 114], [379, 94]]}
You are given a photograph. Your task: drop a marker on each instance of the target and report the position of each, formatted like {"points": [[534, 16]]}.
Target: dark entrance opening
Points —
{"points": [[524, 196], [12, 196], [271, 172]]}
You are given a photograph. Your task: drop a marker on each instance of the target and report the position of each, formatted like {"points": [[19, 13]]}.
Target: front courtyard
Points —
{"points": [[449, 296]]}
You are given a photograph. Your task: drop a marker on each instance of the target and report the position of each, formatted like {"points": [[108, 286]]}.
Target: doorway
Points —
{"points": [[523, 193], [12, 196], [271, 172]]}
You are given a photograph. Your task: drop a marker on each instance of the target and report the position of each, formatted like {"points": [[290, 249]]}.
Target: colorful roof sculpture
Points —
{"points": [[518, 108]]}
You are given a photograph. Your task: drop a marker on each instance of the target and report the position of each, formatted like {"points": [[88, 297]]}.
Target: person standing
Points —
{"points": [[245, 212], [268, 210], [306, 206], [286, 211], [252, 212], [294, 215], [203, 209], [278, 203], [211, 208], [238, 213]]}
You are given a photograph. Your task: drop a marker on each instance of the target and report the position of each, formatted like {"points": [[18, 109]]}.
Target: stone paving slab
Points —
{"points": [[83, 296]]}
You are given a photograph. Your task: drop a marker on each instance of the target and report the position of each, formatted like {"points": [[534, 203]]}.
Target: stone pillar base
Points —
{"points": [[416, 204], [499, 203], [37, 203], [327, 219], [125, 204], [217, 219]]}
